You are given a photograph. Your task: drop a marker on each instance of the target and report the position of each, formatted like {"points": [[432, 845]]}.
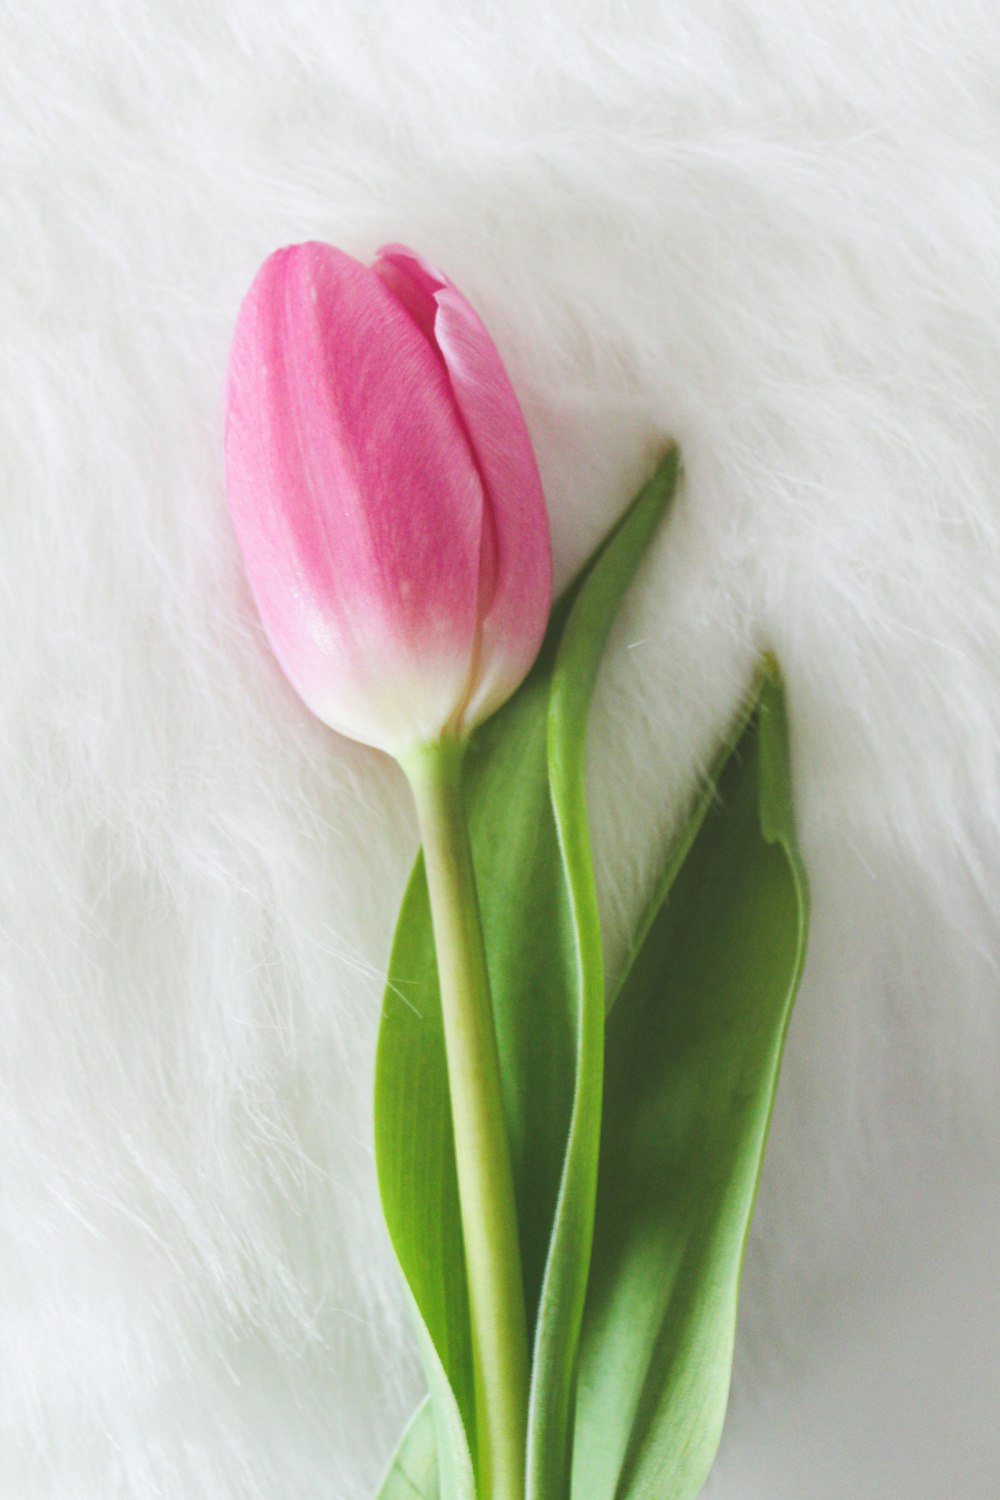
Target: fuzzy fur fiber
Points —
{"points": [[770, 231]]}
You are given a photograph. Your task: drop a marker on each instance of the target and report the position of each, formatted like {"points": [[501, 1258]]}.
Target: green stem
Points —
{"points": [[482, 1148]]}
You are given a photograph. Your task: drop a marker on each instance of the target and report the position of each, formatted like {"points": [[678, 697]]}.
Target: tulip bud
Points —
{"points": [[385, 495]]}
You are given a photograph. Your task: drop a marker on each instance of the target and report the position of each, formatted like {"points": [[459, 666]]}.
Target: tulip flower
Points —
{"points": [[385, 495], [386, 498]]}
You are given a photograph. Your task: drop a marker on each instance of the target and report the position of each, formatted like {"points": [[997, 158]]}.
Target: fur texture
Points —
{"points": [[770, 231]]}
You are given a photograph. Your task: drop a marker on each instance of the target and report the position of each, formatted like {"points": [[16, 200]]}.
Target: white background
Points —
{"points": [[770, 231]]}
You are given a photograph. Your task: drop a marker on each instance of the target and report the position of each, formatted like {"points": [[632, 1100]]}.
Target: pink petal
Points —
{"points": [[354, 497], [516, 563]]}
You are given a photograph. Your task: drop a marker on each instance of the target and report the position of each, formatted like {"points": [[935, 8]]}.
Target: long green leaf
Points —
{"points": [[530, 916], [550, 1427], [694, 1047], [419, 1189]]}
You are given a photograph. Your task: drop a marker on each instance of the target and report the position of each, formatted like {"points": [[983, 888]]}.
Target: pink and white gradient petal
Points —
{"points": [[357, 508], [516, 562]]}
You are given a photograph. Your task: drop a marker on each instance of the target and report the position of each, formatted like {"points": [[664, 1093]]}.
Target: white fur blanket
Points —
{"points": [[770, 231]]}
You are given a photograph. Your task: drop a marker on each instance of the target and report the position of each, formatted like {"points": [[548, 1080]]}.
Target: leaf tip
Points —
{"points": [[777, 816]]}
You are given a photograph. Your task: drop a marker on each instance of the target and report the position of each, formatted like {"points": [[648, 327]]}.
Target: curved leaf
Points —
{"points": [[694, 1047], [419, 1188], [550, 1417], [413, 1472], [530, 916]]}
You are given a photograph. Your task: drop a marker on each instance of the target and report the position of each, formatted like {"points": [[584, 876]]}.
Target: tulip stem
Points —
{"points": [[482, 1147]]}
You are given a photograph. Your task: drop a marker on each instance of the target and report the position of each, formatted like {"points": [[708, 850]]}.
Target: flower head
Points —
{"points": [[385, 495]]}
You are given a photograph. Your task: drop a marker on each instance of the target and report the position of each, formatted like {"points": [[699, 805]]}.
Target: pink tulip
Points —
{"points": [[385, 495]]}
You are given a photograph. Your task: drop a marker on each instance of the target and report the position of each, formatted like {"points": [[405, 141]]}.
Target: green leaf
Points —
{"points": [[694, 1047], [416, 1168], [413, 1473], [537, 904], [553, 1384]]}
